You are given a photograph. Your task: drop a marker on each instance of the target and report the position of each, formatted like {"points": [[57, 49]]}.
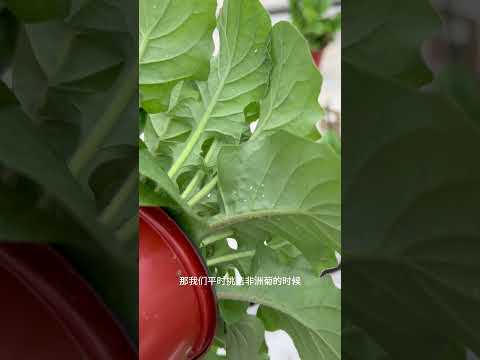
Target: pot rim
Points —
{"points": [[194, 265]]}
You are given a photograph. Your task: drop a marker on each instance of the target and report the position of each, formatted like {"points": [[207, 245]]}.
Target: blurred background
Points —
{"points": [[459, 39]]}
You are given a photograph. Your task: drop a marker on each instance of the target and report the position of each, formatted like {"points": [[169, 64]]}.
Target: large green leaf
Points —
{"points": [[238, 76], [309, 313], [284, 186], [175, 40], [424, 237], [292, 99]]}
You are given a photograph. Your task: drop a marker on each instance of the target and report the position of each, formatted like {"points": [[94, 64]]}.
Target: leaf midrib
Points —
{"points": [[258, 214], [146, 35]]}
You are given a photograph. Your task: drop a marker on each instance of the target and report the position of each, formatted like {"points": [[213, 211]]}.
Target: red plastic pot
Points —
{"points": [[49, 312], [177, 322], [317, 56]]}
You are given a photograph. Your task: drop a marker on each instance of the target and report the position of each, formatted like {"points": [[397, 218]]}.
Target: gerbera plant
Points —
{"points": [[230, 149]]}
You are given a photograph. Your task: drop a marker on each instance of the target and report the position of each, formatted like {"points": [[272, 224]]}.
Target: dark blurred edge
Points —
{"points": [[411, 232], [63, 65]]}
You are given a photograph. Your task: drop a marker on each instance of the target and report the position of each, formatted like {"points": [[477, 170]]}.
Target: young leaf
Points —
{"points": [[292, 192]]}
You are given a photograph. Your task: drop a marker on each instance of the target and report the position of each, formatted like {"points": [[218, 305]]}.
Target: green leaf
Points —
{"points": [[309, 313], [18, 141], [461, 86], [292, 99], [232, 311], [422, 239], [31, 11], [238, 75], [150, 169], [284, 186], [38, 62], [121, 161], [245, 338], [105, 15], [361, 345], [175, 40], [165, 194], [379, 27], [20, 222]]}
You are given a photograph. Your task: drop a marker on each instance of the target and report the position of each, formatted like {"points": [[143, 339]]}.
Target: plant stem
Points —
{"points": [[86, 150], [219, 340], [128, 229], [193, 184], [200, 174], [239, 255], [120, 198], [230, 257], [216, 237], [203, 192], [197, 133]]}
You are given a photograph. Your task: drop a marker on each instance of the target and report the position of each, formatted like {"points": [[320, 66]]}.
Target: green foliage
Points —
{"points": [[410, 270], [310, 16], [68, 157], [377, 40], [39, 10], [275, 190]]}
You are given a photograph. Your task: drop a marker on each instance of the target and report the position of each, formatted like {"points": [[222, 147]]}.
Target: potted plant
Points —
{"points": [[68, 209], [314, 21], [230, 152]]}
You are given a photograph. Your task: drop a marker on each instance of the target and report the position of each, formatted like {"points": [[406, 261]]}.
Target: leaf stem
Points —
{"points": [[197, 133], [200, 174], [203, 192], [216, 237], [86, 150], [193, 184], [128, 229], [240, 255], [120, 198], [230, 257]]}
